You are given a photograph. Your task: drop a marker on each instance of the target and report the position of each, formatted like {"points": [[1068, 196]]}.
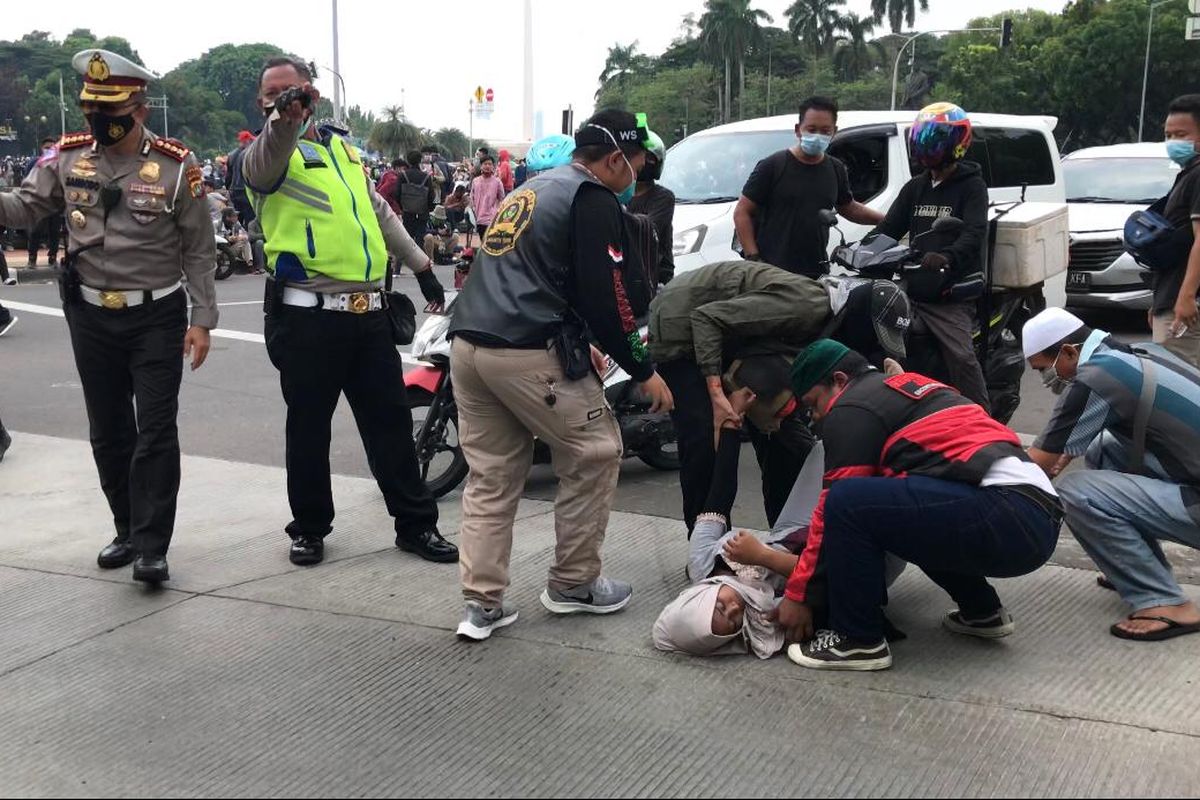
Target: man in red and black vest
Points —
{"points": [[914, 469]]}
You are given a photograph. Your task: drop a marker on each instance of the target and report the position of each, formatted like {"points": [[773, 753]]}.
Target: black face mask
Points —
{"points": [[108, 129]]}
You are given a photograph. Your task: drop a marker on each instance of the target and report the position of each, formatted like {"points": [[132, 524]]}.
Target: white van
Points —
{"points": [[1104, 186], [707, 170]]}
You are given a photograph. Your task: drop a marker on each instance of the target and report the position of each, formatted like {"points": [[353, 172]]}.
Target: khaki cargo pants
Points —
{"points": [[502, 406]]}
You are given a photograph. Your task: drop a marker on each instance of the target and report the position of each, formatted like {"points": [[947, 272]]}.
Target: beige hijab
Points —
{"points": [[685, 625]]}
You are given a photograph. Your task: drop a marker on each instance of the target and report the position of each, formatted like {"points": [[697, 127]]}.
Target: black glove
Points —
{"points": [[290, 96], [431, 287]]}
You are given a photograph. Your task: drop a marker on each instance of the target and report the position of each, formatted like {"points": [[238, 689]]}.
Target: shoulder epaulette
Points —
{"points": [[173, 148], [73, 140]]}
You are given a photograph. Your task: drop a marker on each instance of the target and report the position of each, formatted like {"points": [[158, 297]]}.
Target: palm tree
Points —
{"points": [[815, 22], [620, 64], [899, 13], [395, 135], [728, 29], [854, 54], [452, 143]]}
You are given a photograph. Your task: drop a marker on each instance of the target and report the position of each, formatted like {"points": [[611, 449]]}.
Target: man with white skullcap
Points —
{"points": [[1133, 412]]}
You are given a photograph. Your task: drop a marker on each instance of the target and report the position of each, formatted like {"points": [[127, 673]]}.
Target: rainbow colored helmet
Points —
{"points": [[940, 135]]}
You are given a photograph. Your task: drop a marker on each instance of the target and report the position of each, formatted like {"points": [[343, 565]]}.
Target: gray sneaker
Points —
{"points": [[996, 626], [601, 596], [479, 622]]}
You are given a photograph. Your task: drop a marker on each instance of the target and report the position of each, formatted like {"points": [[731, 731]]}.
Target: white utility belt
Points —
{"points": [[113, 299], [352, 302]]}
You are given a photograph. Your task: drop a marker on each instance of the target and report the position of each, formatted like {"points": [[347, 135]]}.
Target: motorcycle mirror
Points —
{"points": [[948, 225]]}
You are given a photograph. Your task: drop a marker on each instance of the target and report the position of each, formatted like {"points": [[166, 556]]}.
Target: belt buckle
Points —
{"points": [[360, 303], [113, 300]]}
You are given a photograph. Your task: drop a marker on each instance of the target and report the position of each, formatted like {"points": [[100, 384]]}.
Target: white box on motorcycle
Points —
{"points": [[1032, 243]]}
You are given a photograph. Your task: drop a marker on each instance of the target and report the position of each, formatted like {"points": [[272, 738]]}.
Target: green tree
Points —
{"points": [[899, 13], [452, 143], [232, 72], [395, 135], [855, 54], [621, 64], [729, 29], [814, 22]]}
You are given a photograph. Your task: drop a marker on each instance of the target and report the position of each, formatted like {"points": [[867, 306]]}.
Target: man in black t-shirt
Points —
{"points": [[776, 216], [1174, 315]]}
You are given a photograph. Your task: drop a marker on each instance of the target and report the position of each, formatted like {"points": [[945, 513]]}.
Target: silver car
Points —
{"points": [[1104, 186]]}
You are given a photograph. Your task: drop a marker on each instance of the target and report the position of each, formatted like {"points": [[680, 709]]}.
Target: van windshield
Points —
{"points": [[713, 169], [1138, 181]]}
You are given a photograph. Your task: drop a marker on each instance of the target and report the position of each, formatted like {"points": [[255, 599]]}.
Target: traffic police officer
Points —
{"points": [[139, 232], [328, 233]]}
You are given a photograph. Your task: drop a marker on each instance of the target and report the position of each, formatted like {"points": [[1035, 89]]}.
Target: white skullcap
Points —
{"points": [[1048, 329]]}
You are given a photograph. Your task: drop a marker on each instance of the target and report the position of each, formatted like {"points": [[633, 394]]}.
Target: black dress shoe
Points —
{"points": [[306, 551], [151, 569], [115, 555], [429, 545]]}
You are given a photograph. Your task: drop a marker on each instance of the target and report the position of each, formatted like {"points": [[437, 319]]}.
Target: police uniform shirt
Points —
{"points": [[158, 231]]}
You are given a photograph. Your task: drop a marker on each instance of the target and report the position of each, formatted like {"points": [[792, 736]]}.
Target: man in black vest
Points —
{"points": [[551, 268]]}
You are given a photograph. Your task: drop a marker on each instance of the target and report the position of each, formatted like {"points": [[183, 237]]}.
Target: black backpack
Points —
{"points": [[414, 197]]}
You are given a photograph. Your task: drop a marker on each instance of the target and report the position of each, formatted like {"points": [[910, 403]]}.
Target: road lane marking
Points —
{"points": [[220, 333]]}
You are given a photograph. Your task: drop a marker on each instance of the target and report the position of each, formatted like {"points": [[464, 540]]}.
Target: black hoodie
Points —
{"points": [[963, 195]]}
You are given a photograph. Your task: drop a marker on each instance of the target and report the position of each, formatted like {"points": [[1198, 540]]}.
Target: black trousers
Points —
{"points": [[697, 454], [321, 355], [49, 230], [130, 363]]}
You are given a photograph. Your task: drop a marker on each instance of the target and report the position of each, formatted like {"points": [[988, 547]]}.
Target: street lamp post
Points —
{"points": [[1146, 66], [903, 47], [339, 99]]}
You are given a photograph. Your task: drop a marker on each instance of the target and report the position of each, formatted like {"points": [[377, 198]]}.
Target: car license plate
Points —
{"points": [[1079, 281]]}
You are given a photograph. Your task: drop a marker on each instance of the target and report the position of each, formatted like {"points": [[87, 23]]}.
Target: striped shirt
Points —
{"points": [[1105, 397]]}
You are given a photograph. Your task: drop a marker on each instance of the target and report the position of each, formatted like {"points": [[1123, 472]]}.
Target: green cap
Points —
{"points": [[814, 363]]}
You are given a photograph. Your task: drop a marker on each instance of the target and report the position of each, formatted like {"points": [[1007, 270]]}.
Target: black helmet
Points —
{"points": [[891, 315]]}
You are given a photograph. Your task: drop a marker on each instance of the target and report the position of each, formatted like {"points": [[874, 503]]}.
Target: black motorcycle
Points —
{"points": [[1002, 312]]}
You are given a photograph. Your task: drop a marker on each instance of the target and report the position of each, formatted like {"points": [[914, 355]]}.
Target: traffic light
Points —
{"points": [[1005, 33]]}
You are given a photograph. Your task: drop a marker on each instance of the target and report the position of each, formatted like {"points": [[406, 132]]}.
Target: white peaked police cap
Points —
{"points": [[1048, 329]]}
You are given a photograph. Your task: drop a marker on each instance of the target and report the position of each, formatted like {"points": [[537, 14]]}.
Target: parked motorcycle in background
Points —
{"points": [[646, 436]]}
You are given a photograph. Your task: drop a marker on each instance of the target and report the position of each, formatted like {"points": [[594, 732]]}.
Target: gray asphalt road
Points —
{"points": [[232, 409]]}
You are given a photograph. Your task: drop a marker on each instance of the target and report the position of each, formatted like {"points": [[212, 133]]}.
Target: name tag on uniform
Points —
{"points": [[311, 155], [74, 182]]}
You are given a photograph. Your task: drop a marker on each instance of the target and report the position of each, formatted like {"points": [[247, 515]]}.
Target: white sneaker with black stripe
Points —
{"points": [[833, 651]]}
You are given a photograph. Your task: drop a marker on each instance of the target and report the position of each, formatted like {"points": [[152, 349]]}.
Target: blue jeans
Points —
{"points": [[959, 535], [1119, 519]]}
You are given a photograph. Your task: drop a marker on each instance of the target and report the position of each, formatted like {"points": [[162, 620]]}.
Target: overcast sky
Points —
{"points": [[436, 52]]}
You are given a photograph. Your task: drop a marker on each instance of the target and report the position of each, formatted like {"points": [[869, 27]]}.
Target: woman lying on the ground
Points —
{"points": [[736, 578]]}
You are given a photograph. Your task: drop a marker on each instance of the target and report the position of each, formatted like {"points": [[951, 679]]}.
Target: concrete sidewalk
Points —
{"points": [[250, 677]]}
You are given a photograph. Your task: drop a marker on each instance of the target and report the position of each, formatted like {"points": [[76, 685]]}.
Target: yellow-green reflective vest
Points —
{"points": [[320, 219]]}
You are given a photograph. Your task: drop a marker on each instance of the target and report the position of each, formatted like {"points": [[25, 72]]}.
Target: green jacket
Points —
{"points": [[733, 309]]}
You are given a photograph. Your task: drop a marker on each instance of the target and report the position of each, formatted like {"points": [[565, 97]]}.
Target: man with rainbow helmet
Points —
{"points": [[945, 291]]}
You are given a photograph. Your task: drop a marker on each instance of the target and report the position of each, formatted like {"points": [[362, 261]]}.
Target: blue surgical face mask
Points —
{"points": [[1181, 151], [625, 196], [305, 126], [814, 144]]}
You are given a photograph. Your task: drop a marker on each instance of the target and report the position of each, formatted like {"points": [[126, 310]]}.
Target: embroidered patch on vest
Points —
{"points": [[511, 221], [914, 385]]}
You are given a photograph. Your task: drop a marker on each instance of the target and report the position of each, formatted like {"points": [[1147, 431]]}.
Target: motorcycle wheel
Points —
{"points": [[225, 263], [441, 461], [665, 458]]}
